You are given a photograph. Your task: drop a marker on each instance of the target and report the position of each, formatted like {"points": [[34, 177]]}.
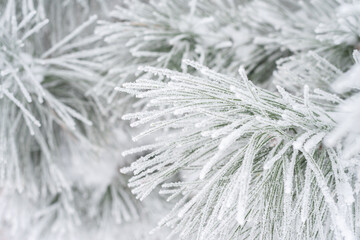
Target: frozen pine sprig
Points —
{"points": [[256, 157]]}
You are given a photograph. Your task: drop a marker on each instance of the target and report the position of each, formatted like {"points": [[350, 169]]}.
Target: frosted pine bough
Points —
{"points": [[246, 147], [258, 164]]}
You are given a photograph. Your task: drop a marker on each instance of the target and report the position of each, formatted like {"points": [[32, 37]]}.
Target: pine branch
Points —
{"points": [[230, 133]]}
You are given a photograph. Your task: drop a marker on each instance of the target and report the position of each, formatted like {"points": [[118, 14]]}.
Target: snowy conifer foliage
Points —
{"points": [[260, 163], [242, 114]]}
